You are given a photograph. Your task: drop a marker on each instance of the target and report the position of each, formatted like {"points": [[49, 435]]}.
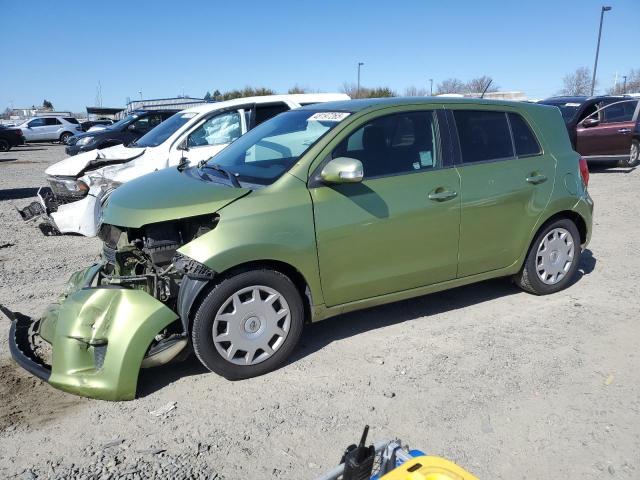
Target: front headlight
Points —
{"points": [[85, 140], [68, 187]]}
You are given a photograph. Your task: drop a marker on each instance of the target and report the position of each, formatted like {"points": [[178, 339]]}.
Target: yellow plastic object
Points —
{"points": [[428, 468]]}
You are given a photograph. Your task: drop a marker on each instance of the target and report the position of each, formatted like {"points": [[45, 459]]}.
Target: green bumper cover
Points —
{"points": [[99, 336]]}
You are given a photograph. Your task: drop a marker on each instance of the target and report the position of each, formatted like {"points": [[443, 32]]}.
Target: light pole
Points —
{"points": [[595, 65], [624, 85], [358, 89], [431, 87]]}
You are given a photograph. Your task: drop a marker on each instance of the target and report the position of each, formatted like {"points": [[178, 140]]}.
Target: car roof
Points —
{"points": [[297, 97], [379, 103], [559, 100]]}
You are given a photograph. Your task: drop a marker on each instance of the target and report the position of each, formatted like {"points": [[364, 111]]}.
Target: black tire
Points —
{"points": [[64, 137], [4, 145], [634, 156], [203, 323], [528, 278]]}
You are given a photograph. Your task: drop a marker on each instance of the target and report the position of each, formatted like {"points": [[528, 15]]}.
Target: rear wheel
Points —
{"points": [[553, 259], [4, 145], [248, 324], [65, 137], [634, 156]]}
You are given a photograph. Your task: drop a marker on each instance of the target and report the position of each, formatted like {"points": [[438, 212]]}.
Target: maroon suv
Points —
{"points": [[602, 128]]}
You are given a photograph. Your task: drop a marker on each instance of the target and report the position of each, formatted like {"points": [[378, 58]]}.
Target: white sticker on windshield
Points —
{"points": [[571, 104], [328, 116]]}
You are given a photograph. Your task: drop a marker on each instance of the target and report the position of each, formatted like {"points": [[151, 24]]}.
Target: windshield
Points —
{"points": [[160, 133], [262, 155], [123, 122]]}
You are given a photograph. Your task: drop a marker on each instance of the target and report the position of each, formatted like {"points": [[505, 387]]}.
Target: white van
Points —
{"points": [[80, 184]]}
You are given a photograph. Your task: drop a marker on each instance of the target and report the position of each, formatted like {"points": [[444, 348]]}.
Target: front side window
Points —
{"points": [[619, 111], [37, 122], [218, 130], [159, 134], [524, 139], [483, 135], [394, 144], [263, 154]]}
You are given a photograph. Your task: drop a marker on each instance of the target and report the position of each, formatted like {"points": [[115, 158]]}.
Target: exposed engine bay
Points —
{"points": [[146, 258]]}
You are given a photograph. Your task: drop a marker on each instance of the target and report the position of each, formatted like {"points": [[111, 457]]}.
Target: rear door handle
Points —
{"points": [[536, 179], [624, 130], [439, 195]]}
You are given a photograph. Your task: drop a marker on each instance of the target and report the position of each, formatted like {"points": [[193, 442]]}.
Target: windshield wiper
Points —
{"points": [[213, 166]]}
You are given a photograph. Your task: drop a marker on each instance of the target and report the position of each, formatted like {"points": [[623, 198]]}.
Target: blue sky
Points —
{"points": [[60, 50]]}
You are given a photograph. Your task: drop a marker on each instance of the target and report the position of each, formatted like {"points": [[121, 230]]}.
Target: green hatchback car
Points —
{"points": [[316, 212]]}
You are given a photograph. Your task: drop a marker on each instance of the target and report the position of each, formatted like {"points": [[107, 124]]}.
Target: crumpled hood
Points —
{"points": [[93, 159], [166, 195]]}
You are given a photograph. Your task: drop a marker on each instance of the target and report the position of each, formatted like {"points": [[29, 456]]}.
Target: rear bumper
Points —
{"points": [[98, 338]]}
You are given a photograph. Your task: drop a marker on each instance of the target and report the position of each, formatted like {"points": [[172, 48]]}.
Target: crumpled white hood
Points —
{"points": [[72, 166]]}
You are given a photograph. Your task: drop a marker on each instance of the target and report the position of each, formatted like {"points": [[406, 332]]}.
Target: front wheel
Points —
{"points": [[248, 324], [634, 155], [552, 260], [65, 137]]}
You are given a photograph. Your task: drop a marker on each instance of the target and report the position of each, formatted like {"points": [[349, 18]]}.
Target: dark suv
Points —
{"points": [[601, 128], [127, 130]]}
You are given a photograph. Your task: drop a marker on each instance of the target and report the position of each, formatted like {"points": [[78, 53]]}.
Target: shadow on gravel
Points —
{"points": [[29, 149], [2, 160], [610, 169], [17, 193], [154, 379], [318, 335]]}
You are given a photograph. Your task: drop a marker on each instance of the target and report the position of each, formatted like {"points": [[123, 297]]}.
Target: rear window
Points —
{"points": [[71, 120], [483, 135], [523, 138]]}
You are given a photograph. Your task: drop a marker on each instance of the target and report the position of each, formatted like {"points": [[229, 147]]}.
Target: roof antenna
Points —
{"points": [[486, 88]]}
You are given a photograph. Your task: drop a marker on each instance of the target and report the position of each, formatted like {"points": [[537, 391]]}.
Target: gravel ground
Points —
{"points": [[506, 384]]}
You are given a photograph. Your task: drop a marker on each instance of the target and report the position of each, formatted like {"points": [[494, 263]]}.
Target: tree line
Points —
{"points": [[578, 83]]}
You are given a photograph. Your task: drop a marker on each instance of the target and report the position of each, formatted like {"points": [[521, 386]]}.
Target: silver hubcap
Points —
{"points": [[251, 325], [555, 256], [634, 152]]}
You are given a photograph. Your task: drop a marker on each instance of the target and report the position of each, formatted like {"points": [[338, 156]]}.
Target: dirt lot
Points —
{"points": [[506, 384]]}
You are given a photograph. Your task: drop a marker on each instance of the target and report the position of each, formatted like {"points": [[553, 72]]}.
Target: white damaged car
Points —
{"points": [[79, 185]]}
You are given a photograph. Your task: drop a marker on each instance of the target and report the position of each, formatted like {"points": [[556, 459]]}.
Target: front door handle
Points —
{"points": [[536, 179], [441, 195], [624, 130]]}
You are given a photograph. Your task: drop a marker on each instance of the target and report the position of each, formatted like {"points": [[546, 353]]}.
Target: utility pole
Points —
{"points": [[431, 87], [358, 89], [595, 65], [624, 85]]}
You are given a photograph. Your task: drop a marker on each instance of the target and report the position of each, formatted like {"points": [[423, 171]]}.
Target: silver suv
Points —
{"points": [[50, 129]]}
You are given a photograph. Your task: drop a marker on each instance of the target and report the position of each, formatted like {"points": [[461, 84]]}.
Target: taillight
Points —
{"points": [[584, 171]]}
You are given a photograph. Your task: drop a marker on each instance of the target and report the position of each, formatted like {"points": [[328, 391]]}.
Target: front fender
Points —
{"points": [[100, 338]]}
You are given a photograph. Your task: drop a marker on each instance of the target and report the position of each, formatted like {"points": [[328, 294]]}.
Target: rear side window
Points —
{"points": [[524, 139], [52, 121], [483, 135], [265, 112], [71, 120]]}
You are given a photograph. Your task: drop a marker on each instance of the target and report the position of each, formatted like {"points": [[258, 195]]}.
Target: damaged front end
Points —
{"points": [[119, 315]]}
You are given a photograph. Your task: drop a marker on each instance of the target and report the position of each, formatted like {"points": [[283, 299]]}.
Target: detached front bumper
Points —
{"points": [[98, 338]]}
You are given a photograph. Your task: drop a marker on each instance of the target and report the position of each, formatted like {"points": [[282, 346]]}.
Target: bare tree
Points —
{"points": [[451, 85], [632, 84], [577, 83], [477, 85], [415, 92], [298, 89]]}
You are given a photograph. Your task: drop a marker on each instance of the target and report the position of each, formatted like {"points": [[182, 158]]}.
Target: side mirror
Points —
{"points": [[183, 146], [342, 170], [590, 122], [132, 127]]}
